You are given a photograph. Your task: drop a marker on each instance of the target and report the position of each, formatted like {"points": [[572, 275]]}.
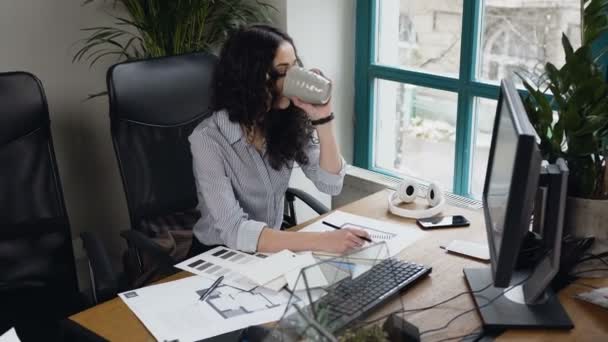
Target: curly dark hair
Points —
{"points": [[245, 86]]}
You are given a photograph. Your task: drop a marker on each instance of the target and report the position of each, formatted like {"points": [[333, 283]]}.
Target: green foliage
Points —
{"points": [[371, 334], [156, 28], [579, 132]]}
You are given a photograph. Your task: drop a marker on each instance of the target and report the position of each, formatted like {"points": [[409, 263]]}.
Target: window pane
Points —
{"points": [[485, 111], [415, 131], [522, 36], [422, 35]]}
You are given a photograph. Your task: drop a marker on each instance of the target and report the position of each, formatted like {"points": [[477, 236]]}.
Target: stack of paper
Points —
{"points": [[223, 261], [246, 272]]}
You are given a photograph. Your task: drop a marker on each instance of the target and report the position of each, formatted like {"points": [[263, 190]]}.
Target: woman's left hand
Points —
{"points": [[315, 112]]}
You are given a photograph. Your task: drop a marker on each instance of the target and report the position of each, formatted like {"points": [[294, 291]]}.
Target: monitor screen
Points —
{"points": [[499, 182]]}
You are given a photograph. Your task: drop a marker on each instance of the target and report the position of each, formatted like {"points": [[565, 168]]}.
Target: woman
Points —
{"points": [[244, 153]]}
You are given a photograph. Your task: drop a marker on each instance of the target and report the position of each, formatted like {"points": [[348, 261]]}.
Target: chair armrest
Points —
{"points": [[310, 201], [103, 277], [140, 241]]}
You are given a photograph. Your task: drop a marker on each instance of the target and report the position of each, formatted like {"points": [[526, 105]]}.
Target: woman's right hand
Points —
{"points": [[342, 241]]}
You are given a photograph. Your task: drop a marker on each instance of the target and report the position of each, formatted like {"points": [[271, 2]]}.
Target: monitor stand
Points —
{"points": [[509, 310]]}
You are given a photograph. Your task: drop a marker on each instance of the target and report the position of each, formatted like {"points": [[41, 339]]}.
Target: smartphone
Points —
{"points": [[443, 222]]}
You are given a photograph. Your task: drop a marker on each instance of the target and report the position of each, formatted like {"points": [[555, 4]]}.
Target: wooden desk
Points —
{"points": [[114, 321]]}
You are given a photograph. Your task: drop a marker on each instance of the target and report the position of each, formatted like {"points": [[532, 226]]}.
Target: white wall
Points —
{"points": [[39, 37], [324, 34], [278, 17]]}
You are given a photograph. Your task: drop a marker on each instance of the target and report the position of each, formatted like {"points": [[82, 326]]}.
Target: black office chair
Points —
{"points": [[154, 106], [38, 283]]}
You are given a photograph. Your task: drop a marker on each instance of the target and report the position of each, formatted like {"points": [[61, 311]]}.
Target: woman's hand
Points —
{"points": [[314, 112], [341, 241]]}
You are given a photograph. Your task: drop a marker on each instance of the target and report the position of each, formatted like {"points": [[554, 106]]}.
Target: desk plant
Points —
{"points": [[154, 28], [578, 132]]}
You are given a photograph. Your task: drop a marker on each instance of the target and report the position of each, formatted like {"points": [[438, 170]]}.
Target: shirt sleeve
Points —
{"points": [[216, 196], [326, 182]]}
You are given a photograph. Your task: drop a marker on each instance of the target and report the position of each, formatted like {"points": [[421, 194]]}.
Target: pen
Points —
{"points": [[337, 227], [211, 288]]}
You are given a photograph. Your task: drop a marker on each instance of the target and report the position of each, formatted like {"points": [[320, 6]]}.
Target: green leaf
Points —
{"points": [[557, 138], [595, 20], [567, 47], [591, 125], [98, 94], [557, 97], [553, 74], [583, 176], [572, 120], [545, 116], [582, 145]]}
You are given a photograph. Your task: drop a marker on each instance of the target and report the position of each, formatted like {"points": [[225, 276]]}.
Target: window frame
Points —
{"points": [[466, 86]]}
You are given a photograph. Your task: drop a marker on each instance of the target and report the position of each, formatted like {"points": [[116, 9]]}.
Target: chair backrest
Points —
{"points": [[35, 239], [154, 106]]}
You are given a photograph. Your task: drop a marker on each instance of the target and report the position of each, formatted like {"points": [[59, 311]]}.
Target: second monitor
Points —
{"points": [[507, 298]]}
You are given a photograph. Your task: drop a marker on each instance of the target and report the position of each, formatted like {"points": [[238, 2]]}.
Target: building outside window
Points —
{"points": [[422, 83]]}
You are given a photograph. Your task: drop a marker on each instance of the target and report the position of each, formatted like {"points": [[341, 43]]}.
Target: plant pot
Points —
{"points": [[588, 218]]}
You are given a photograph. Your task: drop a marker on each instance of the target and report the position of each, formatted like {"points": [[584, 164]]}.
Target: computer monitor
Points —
{"points": [[505, 297], [511, 183]]}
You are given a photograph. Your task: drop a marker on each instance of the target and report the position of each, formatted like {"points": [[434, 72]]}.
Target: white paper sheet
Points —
{"points": [[276, 284], [597, 297], [223, 261], [10, 336], [397, 237], [173, 310], [271, 268]]}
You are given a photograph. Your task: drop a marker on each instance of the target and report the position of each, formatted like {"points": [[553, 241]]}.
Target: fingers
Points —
{"points": [[360, 233], [301, 104], [317, 71], [355, 239], [297, 102]]}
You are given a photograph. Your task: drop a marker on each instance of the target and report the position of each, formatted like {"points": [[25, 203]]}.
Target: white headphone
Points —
{"points": [[408, 191]]}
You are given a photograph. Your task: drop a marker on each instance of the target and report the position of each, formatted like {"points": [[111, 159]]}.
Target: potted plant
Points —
{"points": [[572, 123], [155, 28]]}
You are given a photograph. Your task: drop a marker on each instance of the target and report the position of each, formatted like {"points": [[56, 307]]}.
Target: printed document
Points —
{"points": [[172, 311]]}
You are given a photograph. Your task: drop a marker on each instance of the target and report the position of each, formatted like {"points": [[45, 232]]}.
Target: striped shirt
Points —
{"points": [[239, 193]]}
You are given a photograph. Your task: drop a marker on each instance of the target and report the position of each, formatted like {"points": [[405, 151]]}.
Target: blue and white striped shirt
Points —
{"points": [[239, 193]]}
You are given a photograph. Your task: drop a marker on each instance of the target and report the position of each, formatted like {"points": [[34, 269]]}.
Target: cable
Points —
{"points": [[591, 256], [475, 308], [587, 271], [426, 307]]}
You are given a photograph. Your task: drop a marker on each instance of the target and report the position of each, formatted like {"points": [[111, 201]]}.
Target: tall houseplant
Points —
{"points": [[154, 28], [579, 131]]}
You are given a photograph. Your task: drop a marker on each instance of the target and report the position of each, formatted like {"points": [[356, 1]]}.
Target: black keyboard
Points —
{"points": [[351, 298]]}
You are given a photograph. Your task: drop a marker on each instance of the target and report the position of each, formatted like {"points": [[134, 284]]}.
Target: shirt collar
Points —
{"points": [[231, 130]]}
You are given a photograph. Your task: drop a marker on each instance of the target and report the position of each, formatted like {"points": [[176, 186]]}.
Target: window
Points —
{"points": [[428, 74]]}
